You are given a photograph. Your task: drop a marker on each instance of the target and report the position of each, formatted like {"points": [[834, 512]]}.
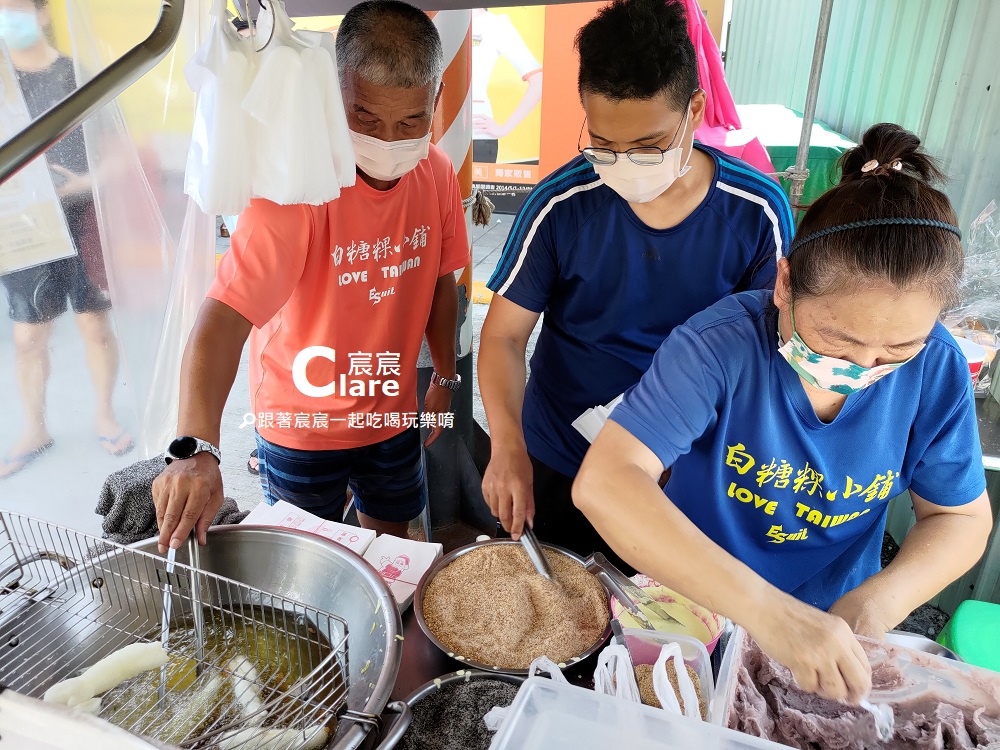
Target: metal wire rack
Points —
{"points": [[68, 600]]}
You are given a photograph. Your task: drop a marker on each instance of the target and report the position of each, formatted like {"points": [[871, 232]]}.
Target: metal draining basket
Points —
{"points": [[68, 599]]}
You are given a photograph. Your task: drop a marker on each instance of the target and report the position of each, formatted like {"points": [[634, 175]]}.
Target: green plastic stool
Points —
{"points": [[974, 634]]}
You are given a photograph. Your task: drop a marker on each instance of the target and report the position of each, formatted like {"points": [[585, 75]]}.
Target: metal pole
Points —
{"points": [[452, 131], [54, 124], [800, 172]]}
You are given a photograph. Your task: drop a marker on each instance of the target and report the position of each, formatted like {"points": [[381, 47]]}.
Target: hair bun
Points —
{"points": [[887, 149]]}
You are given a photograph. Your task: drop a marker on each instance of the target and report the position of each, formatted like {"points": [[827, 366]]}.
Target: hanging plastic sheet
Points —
{"points": [[159, 248], [977, 317], [145, 247]]}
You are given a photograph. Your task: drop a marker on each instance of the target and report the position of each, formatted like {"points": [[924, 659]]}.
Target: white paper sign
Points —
{"points": [[591, 421], [402, 563], [287, 516], [33, 227]]}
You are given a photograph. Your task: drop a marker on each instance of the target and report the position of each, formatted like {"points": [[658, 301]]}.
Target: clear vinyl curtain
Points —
{"points": [[159, 248]]}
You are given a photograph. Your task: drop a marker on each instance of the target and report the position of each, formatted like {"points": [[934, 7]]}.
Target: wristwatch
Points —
{"points": [[188, 447], [451, 385]]}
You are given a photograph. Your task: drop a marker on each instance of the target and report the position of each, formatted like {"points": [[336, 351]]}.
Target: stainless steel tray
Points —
{"points": [[920, 643], [418, 609]]}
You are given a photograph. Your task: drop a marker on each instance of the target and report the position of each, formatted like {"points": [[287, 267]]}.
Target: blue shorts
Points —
{"points": [[387, 478]]}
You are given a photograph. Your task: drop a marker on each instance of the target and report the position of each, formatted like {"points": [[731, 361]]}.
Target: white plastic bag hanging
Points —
{"points": [[665, 691], [614, 674], [543, 665], [219, 168], [304, 152]]}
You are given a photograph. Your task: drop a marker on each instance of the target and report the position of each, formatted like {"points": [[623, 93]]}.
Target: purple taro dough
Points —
{"points": [[768, 704]]}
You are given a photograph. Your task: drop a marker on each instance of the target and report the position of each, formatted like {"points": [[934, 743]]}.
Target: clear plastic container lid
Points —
{"points": [[547, 715]]}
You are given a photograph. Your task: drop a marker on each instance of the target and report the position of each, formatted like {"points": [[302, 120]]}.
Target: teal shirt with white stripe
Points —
{"points": [[612, 289]]}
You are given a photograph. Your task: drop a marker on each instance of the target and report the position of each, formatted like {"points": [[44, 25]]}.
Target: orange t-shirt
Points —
{"points": [[339, 296]]}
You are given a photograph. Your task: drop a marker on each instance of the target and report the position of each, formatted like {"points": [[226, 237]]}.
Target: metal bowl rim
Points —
{"points": [[461, 675], [383, 687], [418, 607]]}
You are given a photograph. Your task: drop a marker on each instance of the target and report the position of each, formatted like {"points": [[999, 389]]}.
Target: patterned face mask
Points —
{"points": [[829, 373]]}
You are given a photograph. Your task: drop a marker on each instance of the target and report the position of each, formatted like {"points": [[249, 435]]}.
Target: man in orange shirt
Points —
{"points": [[335, 300]]}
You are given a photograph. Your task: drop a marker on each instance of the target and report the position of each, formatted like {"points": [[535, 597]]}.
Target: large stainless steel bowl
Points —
{"points": [[395, 733], [418, 606], [312, 570]]}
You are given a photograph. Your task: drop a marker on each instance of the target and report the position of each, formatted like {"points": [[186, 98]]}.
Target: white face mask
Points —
{"points": [[641, 183], [388, 160]]}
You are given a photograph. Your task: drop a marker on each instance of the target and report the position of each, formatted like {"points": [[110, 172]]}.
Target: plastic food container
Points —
{"points": [[725, 691], [552, 716], [714, 623], [644, 648]]}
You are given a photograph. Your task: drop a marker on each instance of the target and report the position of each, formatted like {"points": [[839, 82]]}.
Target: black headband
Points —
{"points": [[905, 221]]}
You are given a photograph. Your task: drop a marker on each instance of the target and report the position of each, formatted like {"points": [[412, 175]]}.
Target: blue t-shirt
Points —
{"points": [[611, 289], [801, 502]]}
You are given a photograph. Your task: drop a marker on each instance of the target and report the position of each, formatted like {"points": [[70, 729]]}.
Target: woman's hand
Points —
{"points": [[863, 614], [819, 648]]}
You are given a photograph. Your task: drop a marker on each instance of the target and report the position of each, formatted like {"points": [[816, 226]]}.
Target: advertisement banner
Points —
{"points": [[526, 111]]}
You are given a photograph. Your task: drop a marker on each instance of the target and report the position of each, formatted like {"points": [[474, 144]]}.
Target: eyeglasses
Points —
{"points": [[644, 156]]}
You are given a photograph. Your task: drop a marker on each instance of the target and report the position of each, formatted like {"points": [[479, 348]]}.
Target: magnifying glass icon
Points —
{"points": [[248, 420]]}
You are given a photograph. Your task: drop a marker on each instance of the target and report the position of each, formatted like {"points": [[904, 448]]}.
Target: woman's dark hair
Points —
{"points": [[888, 176], [240, 24], [638, 49]]}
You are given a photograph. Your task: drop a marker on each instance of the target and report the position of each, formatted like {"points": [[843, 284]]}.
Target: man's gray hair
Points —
{"points": [[390, 43]]}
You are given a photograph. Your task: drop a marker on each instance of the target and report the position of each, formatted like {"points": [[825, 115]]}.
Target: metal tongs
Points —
{"points": [[535, 553], [198, 615], [631, 596]]}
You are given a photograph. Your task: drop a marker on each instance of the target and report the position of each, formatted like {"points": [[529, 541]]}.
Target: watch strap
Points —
{"points": [[452, 384], [200, 446]]}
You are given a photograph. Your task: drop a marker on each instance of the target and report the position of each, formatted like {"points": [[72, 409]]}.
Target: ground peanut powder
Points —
{"points": [[491, 606], [644, 678]]}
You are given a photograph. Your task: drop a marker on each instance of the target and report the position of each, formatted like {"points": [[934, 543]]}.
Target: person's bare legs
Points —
{"points": [[31, 353], [102, 359], [384, 527]]}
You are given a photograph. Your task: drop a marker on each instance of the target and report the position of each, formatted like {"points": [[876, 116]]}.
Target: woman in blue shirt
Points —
{"points": [[789, 421]]}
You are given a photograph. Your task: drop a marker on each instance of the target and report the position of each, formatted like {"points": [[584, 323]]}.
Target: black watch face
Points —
{"points": [[183, 447]]}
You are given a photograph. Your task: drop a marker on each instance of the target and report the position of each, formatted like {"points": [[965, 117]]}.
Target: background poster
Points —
{"points": [[507, 76], [527, 54]]}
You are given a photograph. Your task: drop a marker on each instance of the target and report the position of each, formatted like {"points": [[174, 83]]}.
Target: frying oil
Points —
{"points": [[280, 648]]}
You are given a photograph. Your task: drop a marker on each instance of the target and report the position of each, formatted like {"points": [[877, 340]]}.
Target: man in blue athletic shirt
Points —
{"points": [[644, 229]]}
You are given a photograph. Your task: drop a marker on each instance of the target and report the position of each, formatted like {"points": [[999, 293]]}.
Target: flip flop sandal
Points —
{"points": [[109, 444], [23, 461], [250, 466]]}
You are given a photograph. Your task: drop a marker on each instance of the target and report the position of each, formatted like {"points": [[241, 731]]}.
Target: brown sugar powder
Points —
{"points": [[644, 678], [490, 606]]}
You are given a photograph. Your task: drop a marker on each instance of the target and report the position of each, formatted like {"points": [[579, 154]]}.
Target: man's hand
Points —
{"points": [[488, 126], [187, 495], [819, 648], [864, 614], [507, 488], [436, 401], [75, 184]]}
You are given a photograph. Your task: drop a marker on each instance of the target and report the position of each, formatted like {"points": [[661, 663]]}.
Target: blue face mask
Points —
{"points": [[19, 28]]}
